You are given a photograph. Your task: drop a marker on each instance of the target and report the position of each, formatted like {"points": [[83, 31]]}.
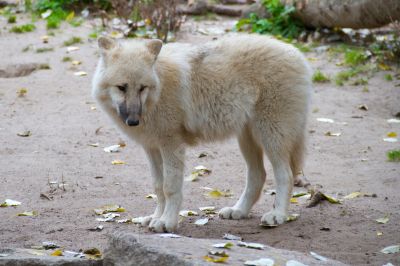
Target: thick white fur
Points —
{"points": [[252, 87]]}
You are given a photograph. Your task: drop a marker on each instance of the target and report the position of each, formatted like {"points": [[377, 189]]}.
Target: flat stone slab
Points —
{"points": [[128, 249], [159, 249]]}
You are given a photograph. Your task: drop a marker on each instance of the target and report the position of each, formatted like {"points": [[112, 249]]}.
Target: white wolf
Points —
{"points": [[252, 87]]}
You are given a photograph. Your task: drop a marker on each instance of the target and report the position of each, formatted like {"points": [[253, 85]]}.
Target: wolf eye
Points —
{"points": [[142, 87], [122, 87]]}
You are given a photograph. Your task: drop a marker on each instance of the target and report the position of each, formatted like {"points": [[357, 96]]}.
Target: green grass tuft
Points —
{"points": [[393, 156], [12, 19], [23, 28], [72, 41], [44, 50], [355, 57], [320, 77], [66, 59], [388, 77]]}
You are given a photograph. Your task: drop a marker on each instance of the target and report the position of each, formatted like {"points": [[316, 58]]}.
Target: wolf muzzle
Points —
{"points": [[130, 116]]}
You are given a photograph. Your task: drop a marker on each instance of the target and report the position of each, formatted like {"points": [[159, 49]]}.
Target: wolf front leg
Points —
{"points": [[156, 166], [173, 163]]}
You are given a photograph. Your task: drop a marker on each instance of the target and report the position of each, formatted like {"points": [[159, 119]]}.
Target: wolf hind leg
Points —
{"points": [[253, 155]]}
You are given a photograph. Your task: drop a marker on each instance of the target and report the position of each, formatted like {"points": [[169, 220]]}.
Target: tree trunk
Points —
{"points": [[346, 13]]}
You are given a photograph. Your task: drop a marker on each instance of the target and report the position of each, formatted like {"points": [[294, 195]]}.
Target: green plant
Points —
{"points": [[281, 22], [12, 19], [388, 77], [66, 59], [44, 50], [393, 156], [355, 57], [72, 41], [320, 77], [345, 75], [23, 28]]}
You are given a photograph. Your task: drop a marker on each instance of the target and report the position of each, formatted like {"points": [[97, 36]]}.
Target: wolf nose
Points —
{"points": [[132, 122]]}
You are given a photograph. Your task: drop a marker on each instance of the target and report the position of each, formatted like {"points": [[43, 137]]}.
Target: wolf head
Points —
{"points": [[126, 82]]}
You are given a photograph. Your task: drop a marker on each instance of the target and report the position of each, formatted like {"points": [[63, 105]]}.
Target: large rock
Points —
{"points": [[126, 249]]}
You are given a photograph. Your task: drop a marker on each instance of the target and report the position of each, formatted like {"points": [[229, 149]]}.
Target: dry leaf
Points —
{"points": [[22, 92], [333, 134], [379, 233], [384, 67], [215, 259], [353, 195], [390, 139], [72, 49], [227, 245], [93, 144], [391, 249], [117, 162], [27, 213], [215, 193], [45, 38], [260, 262], [218, 253], [70, 16], [363, 107], [151, 196], [202, 221], [231, 237], [96, 229], [92, 253], [186, 213], [251, 245], [24, 133], [112, 148], [294, 200], [208, 209], [325, 120], [76, 62], [9, 203], [57, 252], [382, 220], [318, 257], [392, 134], [80, 73], [124, 221], [199, 170]]}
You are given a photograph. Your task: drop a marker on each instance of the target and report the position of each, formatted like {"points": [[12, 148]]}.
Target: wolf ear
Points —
{"points": [[154, 46], [106, 43]]}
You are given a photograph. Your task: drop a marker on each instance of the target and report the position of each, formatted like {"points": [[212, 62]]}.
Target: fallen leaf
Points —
{"points": [[226, 245], [294, 263], [169, 235], [384, 67], [231, 237], [202, 221], [80, 73], [93, 144], [138, 220], [292, 217], [70, 16], [57, 252], [92, 253], [363, 107], [112, 148], [270, 192], [218, 253], [22, 92], [393, 121], [382, 220], [199, 170], [332, 134], [260, 262], [391, 249], [151, 196], [9, 203], [45, 38], [299, 194], [379, 233], [97, 228], [72, 254], [24, 133], [109, 208], [251, 245], [27, 213], [208, 209], [294, 200], [203, 154], [325, 120], [390, 139], [318, 257], [117, 162], [93, 108], [353, 195], [49, 245], [124, 221], [215, 259], [392, 134], [215, 193], [186, 213], [72, 49]]}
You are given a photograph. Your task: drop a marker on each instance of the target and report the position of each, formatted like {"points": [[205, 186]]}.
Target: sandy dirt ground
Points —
{"points": [[61, 115]]}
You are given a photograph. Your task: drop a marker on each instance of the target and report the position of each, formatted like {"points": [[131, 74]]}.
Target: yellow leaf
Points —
{"points": [[384, 67], [294, 200], [353, 195], [92, 253], [31, 213], [333, 134], [215, 193], [147, 21], [330, 199], [382, 220], [392, 134], [21, 92], [117, 162], [76, 62], [80, 73], [214, 259], [57, 252], [70, 16], [151, 196]]}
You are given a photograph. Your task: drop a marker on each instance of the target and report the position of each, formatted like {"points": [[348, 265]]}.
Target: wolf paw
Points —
{"points": [[232, 213], [144, 220], [161, 226], [274, 218]]}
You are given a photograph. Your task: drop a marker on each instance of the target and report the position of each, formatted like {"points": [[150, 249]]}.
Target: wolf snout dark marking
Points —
{"points": [[132, 122]]}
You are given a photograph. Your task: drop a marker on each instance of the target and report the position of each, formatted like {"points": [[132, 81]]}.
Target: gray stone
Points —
{"points": [[151, 249]]}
